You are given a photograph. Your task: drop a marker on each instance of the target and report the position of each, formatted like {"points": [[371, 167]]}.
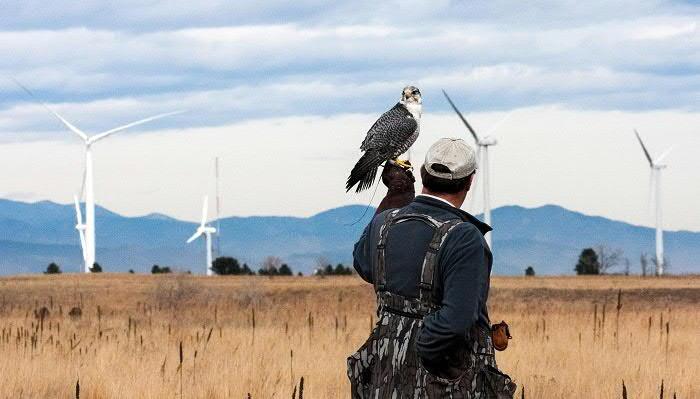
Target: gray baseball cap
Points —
{"points": [[454, 154]]}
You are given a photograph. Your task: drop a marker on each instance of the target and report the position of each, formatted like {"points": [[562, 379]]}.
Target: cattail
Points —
{"points": [[301, 388], [595, 319], [291, 367], [661, 395], [77, 389], [179, 368], [617, 315], [522, 393], [294, 392], [602, 321], [624, 390]]}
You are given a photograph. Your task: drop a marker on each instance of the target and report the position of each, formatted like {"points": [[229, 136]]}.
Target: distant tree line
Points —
{"points": [[160, 270], [604, 260], [338, 270], [229, 266]]}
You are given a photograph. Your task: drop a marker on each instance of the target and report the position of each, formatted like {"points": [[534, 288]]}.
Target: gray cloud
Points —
{"points": [[103, 66]]}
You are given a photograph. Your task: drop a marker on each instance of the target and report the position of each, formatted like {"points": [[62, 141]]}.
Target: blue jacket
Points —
{"points": [[461, 276]]}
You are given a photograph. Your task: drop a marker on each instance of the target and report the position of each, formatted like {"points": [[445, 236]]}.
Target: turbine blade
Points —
{"points": [[82, 243], [194, 236], [205, 208], [651, 196], [663, 155], [464, 120], [67, 124], [78, 214], [82, 183], [102, 135], [79, 225], [646, 153]]}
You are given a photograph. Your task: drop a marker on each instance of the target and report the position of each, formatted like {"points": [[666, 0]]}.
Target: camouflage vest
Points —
{"points": [[387, 364]]}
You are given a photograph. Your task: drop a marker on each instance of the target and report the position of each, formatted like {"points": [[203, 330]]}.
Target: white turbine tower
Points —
{"points": [[207, 231], [88, 229], [483, 155], [656, 167]]}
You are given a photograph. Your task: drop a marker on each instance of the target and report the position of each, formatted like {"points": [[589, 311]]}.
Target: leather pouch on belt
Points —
{"points": [[500, 334]]}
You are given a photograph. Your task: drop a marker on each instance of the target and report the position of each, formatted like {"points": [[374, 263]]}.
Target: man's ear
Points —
{"points": [[470, 181]]}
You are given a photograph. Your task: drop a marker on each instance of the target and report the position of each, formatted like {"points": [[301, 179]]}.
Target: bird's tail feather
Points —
{"points": [[365, 171]]}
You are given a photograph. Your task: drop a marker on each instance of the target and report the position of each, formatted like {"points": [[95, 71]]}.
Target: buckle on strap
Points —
{"points": [[423, 285]]}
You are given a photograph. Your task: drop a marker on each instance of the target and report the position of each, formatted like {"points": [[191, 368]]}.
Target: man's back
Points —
{"points": [[463, 263]]}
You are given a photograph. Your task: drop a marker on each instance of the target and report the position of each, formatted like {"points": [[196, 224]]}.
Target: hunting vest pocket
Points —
{"points": [[496, 384], [451, 376]]}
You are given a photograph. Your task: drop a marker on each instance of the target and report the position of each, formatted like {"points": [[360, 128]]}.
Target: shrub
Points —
{"points": [[53, 268]]}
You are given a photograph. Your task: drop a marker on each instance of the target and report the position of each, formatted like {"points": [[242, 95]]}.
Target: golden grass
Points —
{"points": [[260, 335]]}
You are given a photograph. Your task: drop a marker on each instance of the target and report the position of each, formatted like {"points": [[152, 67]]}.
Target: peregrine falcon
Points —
{"points": [[390, 136]]}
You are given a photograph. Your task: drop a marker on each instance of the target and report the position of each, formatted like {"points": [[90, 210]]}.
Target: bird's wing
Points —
{"points": [[391, 130]]}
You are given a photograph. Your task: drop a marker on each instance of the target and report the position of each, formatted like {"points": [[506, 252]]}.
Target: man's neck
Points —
{"points": [[455, 200]]}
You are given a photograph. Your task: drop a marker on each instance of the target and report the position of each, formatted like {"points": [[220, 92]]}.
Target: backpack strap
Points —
{"points": [[380, 278], [430, 261], [441, 229]]}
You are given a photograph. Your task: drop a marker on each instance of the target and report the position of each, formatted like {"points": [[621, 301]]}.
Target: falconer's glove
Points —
{"points": [[399, 181]]}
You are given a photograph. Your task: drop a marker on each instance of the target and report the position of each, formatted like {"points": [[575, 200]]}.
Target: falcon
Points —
{"points": [[390, 136]]}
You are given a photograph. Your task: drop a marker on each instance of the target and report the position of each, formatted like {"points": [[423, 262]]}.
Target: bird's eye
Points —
{"points": [[416, 92]]}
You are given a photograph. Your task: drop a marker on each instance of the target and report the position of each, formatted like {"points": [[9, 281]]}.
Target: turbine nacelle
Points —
{"points": [[487, 141]]}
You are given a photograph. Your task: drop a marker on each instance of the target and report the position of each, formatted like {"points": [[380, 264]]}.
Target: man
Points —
{"points": [[430, 267]]}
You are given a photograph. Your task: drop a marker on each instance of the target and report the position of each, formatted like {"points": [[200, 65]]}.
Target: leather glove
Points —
{"points": [[399, 182]]}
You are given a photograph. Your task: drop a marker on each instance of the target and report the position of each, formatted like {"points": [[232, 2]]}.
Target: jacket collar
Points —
{"points": [[465, 216]]}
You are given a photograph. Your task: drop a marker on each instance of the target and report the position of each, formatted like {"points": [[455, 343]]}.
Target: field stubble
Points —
{"points": [[259, 336]]}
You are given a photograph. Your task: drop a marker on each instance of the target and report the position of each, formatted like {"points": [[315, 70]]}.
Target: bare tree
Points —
{"points": [[608, 258], [271, 263], [644, 264], [321, 263]]}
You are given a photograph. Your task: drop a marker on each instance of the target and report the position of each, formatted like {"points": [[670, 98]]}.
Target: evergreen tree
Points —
{"points": [[53, 268], [588, 263], [96, 268], [226, 265], [285, 270], [530, 271]]}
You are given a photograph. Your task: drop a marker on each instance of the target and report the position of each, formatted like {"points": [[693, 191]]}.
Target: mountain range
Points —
{"points": [[549, 238]]}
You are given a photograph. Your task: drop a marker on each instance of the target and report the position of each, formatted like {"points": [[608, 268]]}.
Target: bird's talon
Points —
{"points": [[403, 164]]}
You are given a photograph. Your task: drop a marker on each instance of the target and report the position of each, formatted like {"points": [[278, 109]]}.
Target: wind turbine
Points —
{"points": [[483, 154], [656, 167], [88, 229], [207, 231]]}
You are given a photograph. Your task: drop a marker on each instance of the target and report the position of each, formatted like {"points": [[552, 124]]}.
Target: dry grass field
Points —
{"points": [[259, 336]]}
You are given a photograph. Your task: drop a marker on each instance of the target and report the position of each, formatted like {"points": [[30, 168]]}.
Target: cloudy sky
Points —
{"points": [[283, 93]]}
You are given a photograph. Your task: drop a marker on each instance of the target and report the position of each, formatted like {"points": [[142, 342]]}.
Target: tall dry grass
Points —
{"points": [[259, 336]]}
